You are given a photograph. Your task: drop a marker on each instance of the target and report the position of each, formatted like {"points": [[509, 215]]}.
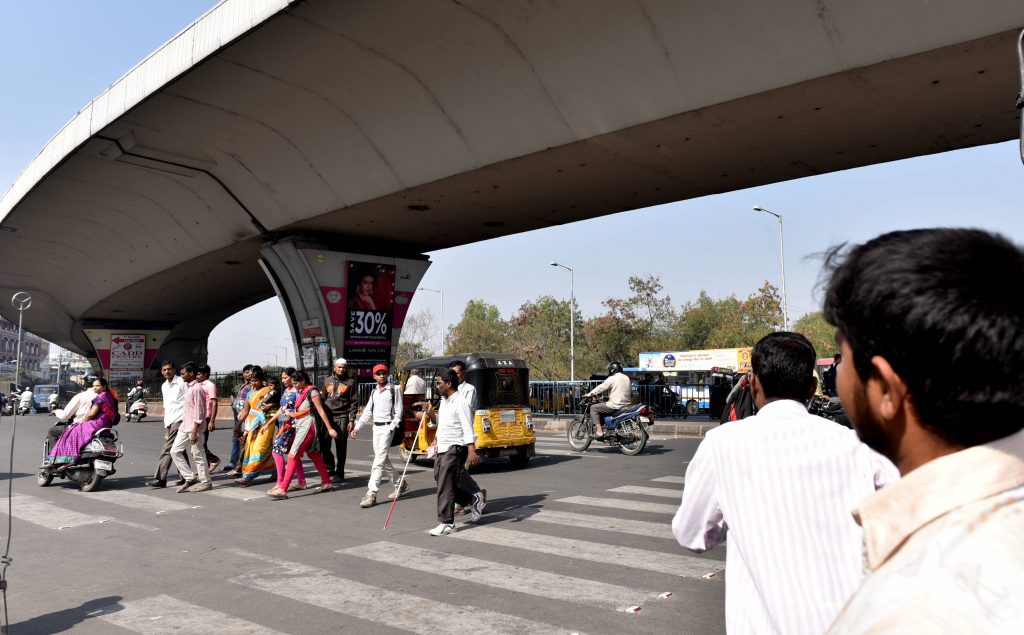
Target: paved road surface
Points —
{"points": [[571, 544]]}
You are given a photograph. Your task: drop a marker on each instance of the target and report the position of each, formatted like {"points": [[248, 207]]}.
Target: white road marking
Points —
{"points": [[587, 521], [142, 502], [162, 614], [568, 452], [503, 576], [668, 479], [40, 512], [393, 609], [618, 503], [672, 564], [647, 491]]}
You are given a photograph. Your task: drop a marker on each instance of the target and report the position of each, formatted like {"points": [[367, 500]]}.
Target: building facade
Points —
{"points": [[35, 350]]}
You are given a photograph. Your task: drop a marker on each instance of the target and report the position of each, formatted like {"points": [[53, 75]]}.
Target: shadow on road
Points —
{"points": [[67, 619]]}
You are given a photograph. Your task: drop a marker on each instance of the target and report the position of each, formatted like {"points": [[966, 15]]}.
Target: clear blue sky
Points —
{"points": [[57, 55]]}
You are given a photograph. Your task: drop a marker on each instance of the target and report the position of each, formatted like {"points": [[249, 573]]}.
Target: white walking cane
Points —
{"points": [[415, 439]]}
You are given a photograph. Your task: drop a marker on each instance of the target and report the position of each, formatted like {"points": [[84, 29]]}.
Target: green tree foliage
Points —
{"points": [[481, 328], [539, 333], [644, 321], [822, 334], [417, 339]]}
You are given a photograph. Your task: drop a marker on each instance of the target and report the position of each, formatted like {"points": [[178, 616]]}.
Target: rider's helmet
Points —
{"points": [[614, 367]]}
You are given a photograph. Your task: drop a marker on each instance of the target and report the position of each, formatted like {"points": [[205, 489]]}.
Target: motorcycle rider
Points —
{"points": [[51, 403], [136, 393], [26, 400], [619, 396]]}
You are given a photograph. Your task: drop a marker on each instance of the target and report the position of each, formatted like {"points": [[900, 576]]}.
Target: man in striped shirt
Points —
{"points": [[782, 484]]}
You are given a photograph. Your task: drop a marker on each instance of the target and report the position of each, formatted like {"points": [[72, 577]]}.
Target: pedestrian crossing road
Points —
{"points": [[574, 543]]}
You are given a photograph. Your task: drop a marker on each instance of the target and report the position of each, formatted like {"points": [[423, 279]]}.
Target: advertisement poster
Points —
{"points": [[127, 356], [369, 304], [734, 358]]}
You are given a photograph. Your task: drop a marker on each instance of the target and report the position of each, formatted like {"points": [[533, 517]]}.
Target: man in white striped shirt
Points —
{"points": [[783, 484]]}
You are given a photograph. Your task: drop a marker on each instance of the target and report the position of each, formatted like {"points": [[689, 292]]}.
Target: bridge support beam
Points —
{"points": [[340, 303]]}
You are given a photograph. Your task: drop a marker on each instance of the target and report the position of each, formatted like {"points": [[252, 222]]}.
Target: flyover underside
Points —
{"points": [[160, 216]]}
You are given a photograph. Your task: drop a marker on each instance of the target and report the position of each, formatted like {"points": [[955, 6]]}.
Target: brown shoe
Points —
{"points": [[184, 486], [369, 500], [202, 487]]}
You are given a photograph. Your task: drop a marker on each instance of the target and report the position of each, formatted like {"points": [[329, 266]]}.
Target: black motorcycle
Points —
{"points": [[95, 462], [829, 408], [627, 429]]}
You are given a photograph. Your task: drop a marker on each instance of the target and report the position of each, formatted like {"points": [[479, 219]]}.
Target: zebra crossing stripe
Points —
{"points": [[620, 503], [393, 609], [647, 491], [40, 512], [672, 564], [668, 479], [162, 614], [503, 576], [586, 521], [142, 502]]}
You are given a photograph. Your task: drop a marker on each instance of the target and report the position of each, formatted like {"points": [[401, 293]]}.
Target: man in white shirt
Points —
{"points": [[782, 484], [620, 394], [455, 441], [415, 384], [27, 399], [384, 408], [76, 410], [930, 323], [468, 393], [173, 391]]}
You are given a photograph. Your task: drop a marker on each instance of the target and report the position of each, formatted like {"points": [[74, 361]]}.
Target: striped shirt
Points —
{"points": [[783, 485], [945, 547]]}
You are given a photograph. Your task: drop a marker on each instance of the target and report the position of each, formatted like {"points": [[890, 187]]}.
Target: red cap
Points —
{"points": [[380, 367]]}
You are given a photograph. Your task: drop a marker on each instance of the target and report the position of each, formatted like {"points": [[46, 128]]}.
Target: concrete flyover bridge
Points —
{"points": [[300, 148]]}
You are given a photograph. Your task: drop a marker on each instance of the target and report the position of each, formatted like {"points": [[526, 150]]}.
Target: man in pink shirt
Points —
{"points": [[210, 390], [188, 434]]}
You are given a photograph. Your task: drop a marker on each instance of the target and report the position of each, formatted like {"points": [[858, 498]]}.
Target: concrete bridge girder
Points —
{"points": [[432, 124]]}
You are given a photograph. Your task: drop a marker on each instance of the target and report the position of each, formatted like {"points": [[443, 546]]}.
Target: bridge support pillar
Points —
{"points": [[339, 303]]}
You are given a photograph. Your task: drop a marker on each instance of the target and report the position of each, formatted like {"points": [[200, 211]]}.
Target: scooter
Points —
{"points": [[627, 429], [8, 408], [24, 409], [95, 462], [137, 409]]}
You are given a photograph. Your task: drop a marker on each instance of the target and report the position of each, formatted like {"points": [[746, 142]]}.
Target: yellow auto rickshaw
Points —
{"points": [[503, 419]]}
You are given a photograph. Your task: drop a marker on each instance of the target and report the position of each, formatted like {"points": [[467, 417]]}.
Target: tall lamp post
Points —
{"points": [[440, 293], [782, 258], [572, 319], [285, 349]]}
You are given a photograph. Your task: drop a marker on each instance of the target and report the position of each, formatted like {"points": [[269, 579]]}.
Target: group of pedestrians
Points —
{"points": [[927, 496], [278, 421]]}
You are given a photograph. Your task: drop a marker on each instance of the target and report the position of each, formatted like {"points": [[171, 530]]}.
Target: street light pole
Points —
{"points": [[440, 293], [275, 359], [572, 319], [782, 259], [285, 349]]}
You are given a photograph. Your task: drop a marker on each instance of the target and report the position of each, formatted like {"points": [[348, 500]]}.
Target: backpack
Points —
{"points": [[399, 434]]}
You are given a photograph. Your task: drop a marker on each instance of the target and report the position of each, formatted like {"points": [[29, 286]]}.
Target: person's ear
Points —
{"points": [[889, 390], [813, 387]]}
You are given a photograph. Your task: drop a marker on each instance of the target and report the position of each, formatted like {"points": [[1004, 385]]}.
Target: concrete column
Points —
{"points": [[340, 303]]}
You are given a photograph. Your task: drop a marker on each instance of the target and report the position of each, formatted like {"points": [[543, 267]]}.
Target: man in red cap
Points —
{"points": [[384, 408]]}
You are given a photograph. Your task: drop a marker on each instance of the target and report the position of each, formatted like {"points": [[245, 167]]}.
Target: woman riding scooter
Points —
{"points": [[101, 415]]}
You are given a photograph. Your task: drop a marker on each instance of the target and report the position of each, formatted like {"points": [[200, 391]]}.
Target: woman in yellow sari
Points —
{"points": [[259, 425]]}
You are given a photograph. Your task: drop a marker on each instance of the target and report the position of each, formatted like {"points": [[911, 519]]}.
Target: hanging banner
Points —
{"points": [[369, 312], [127, 356]]}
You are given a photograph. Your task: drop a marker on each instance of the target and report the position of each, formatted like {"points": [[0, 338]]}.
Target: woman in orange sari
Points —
{"points": [[258, 429]]}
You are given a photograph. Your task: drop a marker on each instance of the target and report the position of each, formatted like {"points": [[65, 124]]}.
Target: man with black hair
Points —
{"points": [[828, 378], [931, 327], [233, 467], [455, 442], [468, 392], [210, 391], [173, 391], [782, 484], [188, 435]]}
